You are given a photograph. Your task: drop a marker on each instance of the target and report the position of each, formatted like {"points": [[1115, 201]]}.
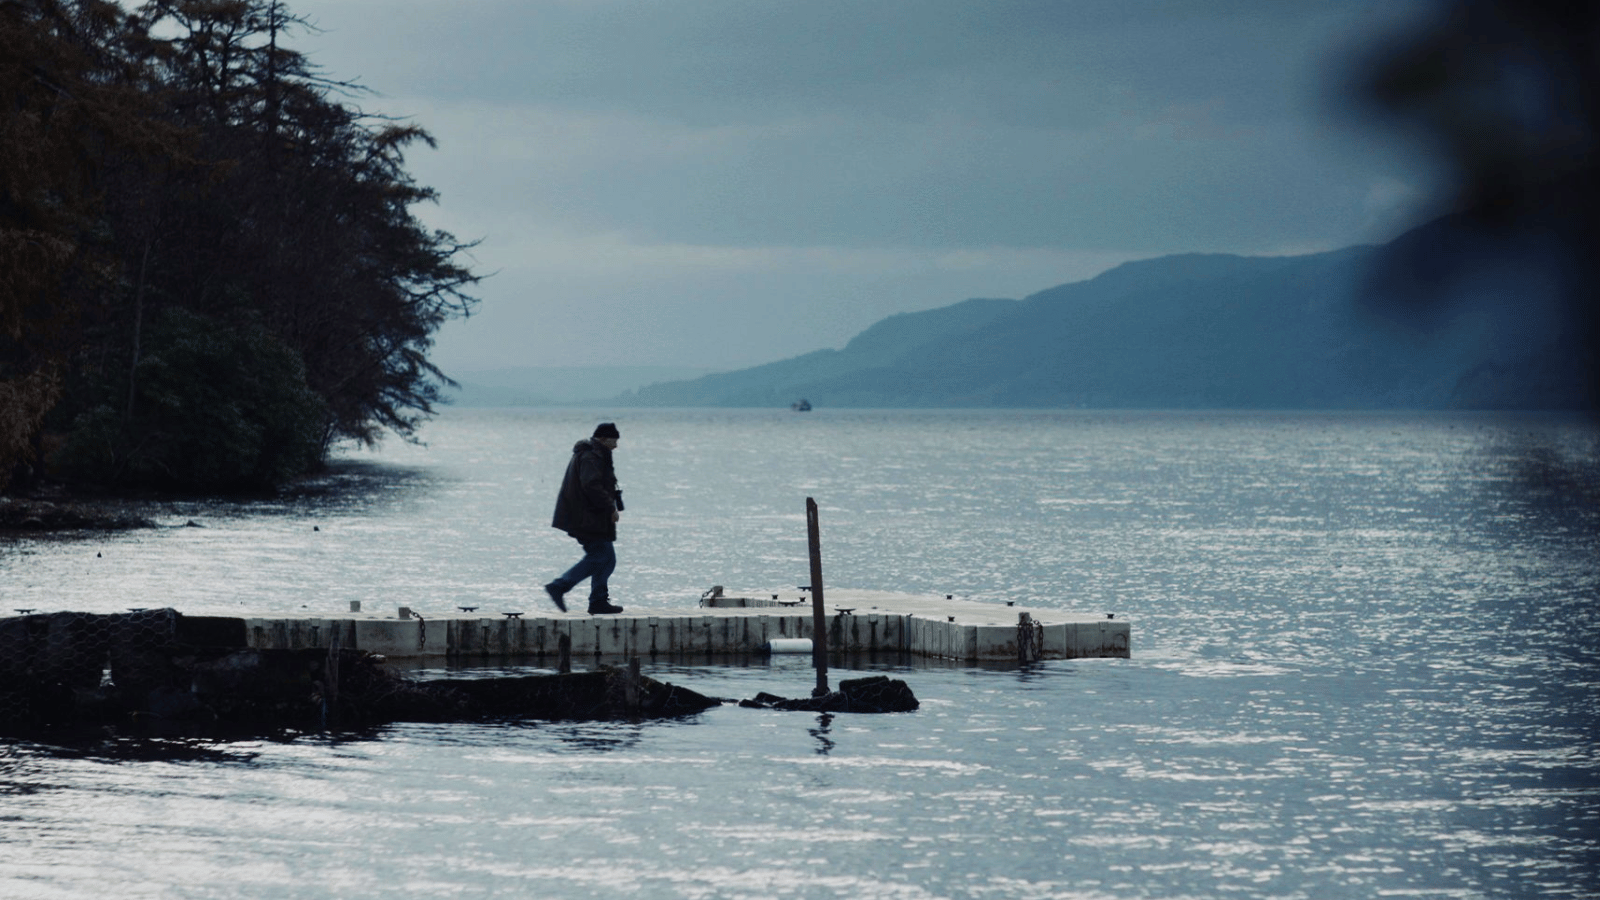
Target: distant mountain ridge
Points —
{"points": [[557, 385], [1189, 331]]}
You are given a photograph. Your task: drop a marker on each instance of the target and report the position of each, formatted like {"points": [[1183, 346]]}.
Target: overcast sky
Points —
{"points": [[724, 183]]}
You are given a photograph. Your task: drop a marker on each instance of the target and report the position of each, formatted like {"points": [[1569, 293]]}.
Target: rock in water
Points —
{"points": [[876, 694]]}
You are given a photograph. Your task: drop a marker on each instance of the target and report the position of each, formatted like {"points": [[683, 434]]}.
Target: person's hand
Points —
{"points": [[615, 517]]}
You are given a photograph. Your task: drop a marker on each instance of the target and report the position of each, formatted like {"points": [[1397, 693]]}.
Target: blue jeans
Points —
{"points": [[599, 561]]}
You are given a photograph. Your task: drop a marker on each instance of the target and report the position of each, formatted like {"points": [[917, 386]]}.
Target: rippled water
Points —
{"points": [[1366, 653]]}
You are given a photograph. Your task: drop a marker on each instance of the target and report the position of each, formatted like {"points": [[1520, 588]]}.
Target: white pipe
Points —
{"points": [[788, 645]]}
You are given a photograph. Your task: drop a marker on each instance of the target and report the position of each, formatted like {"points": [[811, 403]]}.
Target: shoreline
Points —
{"points": [[33, 514]]}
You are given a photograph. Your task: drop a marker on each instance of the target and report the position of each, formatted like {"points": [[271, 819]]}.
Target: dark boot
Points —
{"points": [[556, 592], [602, 607]]}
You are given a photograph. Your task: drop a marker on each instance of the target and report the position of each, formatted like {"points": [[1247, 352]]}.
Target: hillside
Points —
{"points": [[1188, 331], [557, 385]]}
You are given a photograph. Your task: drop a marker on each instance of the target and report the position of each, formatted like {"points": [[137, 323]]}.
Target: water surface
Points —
{"points": [[1364, 664]]}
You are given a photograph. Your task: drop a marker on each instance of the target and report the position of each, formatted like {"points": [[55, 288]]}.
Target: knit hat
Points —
{"points": [[606, 430]]}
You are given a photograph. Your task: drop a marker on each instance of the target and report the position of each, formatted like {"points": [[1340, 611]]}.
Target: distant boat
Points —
{"points": [[801, 405]]}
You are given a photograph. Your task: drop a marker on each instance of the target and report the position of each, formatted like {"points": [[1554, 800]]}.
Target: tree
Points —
{"points": [[70, 103], [307, 217], [221, 408], [206, 181]]}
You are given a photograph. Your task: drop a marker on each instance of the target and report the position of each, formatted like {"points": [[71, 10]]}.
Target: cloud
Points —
{"points": [[1391, 200], [1180, 181], [789, 172]]}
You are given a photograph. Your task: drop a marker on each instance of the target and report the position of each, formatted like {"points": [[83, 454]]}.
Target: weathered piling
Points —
{"points": [[819, 616]]}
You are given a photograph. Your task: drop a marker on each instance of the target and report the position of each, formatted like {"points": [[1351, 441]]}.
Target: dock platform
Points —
{"points": [[724, 624]]}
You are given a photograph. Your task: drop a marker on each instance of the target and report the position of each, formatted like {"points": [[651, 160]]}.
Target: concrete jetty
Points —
{"points": [[723, 624], [159, 672], [76, 669]]}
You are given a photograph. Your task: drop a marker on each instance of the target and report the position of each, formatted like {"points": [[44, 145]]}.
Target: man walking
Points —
{"points": [[588, 508]]}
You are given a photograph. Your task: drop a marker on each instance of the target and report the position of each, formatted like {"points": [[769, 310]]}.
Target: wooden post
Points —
{"points": [[819, 619], [330, 679], [1026, 651], [564, 664]]}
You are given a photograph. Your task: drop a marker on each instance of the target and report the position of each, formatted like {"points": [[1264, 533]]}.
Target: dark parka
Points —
{"points": [[588, 494]]}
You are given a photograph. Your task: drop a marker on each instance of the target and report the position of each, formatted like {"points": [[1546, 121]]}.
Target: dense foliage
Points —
{"points": [[209, 266]]}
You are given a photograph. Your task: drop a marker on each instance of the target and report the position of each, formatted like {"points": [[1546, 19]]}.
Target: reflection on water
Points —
{"points": [[111, 747], [1364, 664], [824, 743]]}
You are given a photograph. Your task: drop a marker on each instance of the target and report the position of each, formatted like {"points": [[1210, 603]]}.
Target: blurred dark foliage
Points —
{"points": [[1505, 94]]}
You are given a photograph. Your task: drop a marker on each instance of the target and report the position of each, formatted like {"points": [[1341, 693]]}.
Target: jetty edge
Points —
{"points": [[724, 624], [160, 673], [157, 672]]}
